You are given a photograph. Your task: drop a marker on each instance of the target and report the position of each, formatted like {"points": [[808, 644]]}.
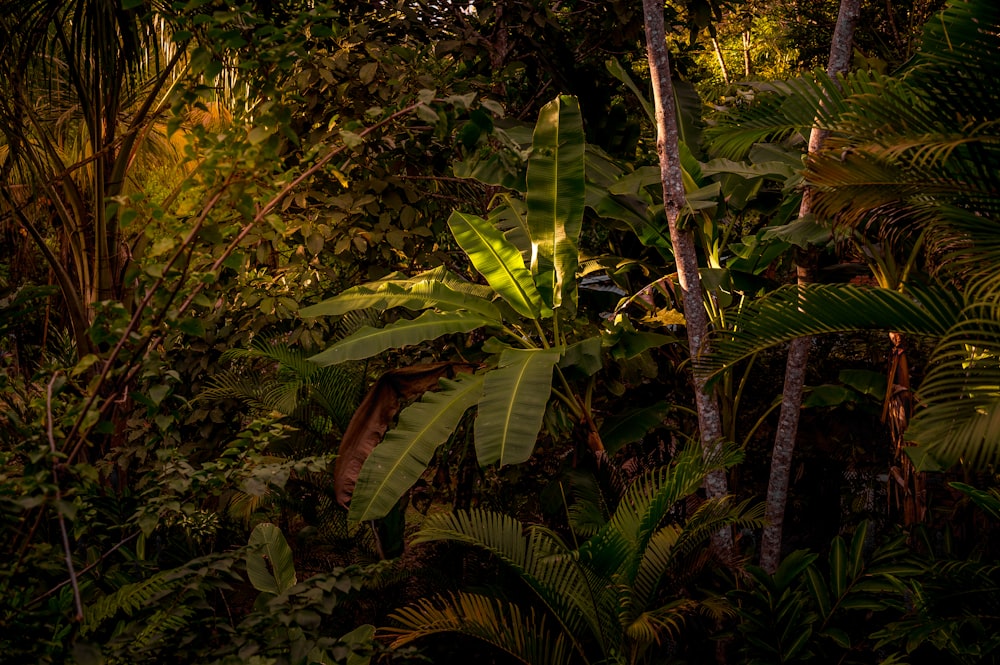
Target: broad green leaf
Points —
{"points": [[499, 262], [359, 642], [269, 561], [828, 395], [839, 636], [857, 560], [424, 294], [369, 341], [584, 356], [838, 567], [513, 403], [802, 232], [404, 454], [820, 591], [556, 199], [797, 645], [631, 425], [791, 568], [865, 381]]}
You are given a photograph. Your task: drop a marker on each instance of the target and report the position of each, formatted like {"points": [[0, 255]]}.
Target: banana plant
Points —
{"points": [[529, 303]]}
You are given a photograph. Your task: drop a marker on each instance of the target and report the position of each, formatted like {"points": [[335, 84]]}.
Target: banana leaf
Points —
{"points": [[396, 463], [556, 199], [419, 295], [499, 262], [513, 403], [369, 341]]}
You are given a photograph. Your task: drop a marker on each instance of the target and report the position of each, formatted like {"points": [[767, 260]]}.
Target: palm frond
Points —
{"points": [[677, 553], [783, 109], [539, 556], [274, 376], [523, 635], [816, 309], [959, 418], [619, 546]]}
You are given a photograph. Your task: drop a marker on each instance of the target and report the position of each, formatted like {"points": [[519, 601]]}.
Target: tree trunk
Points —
{"points": [[722, 60], [685, 255], [798, 353]]}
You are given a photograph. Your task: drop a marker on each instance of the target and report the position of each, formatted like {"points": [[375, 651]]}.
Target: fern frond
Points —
{"points": [[129, 599]]}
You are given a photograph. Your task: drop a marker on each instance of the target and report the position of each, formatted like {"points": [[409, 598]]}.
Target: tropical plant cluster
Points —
{"points": [[436, 331]]}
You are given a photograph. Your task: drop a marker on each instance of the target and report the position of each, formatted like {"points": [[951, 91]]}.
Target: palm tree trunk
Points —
{"points": [[798, 353], [685, 255]]}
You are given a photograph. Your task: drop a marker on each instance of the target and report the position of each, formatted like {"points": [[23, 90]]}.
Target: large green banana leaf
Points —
{"points": [[396, 463], [269, 560], [423, 294], [556, 199], [499, 262], [369, 341], [513, 403]]}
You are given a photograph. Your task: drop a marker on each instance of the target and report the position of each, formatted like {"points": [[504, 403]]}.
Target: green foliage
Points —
{"points": [[614, 599], [269, 561], [511, 395], [907, 168], [806, 612]]}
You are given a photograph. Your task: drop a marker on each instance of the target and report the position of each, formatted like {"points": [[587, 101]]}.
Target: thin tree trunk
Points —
{"points": [[722, 61], [798, 353], [696, 319], [746, 53]]}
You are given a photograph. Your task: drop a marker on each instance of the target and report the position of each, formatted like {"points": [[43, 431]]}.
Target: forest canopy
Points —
{"points": [[535, 331]]}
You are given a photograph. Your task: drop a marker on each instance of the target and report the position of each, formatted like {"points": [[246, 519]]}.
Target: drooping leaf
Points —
{"points": [[499, 262], [631, 425], [418, 295], [269, 561], [376, 412], [513, 404], [397, 463], [556, 199], [584, 356], [525, 636], [369, 341]]}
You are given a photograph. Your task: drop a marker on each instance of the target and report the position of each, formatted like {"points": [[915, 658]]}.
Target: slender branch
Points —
{"points": [[49, 430], [75, 432], [83, 571], [137, 317]]}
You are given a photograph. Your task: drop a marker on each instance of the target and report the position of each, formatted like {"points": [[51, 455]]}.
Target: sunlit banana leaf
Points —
{"points": [[513, 403], [499, 262], [419, 295], [556, 199]]}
